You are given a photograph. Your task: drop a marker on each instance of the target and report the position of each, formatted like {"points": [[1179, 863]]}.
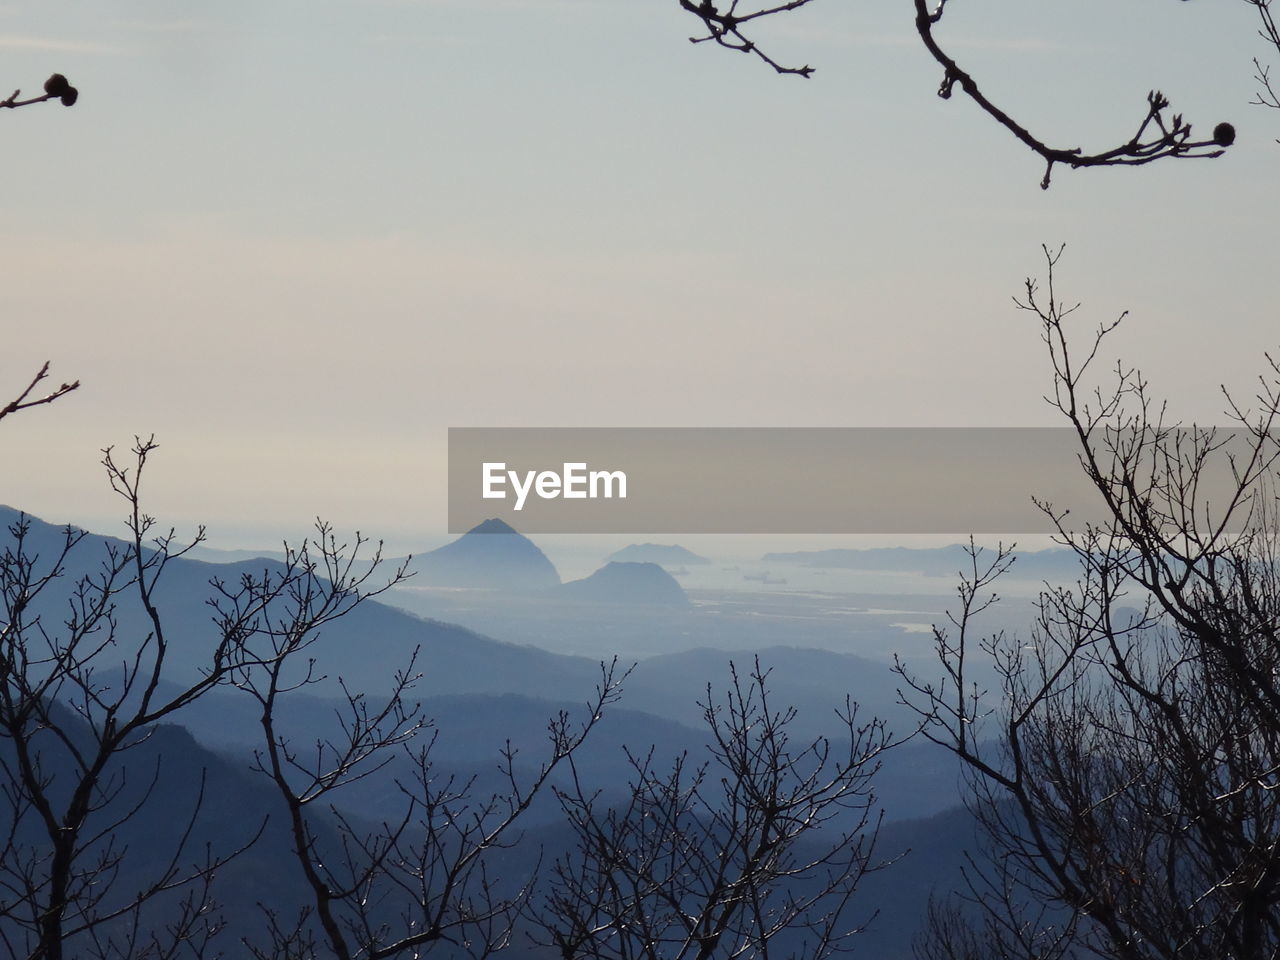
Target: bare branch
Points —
{"points": [[24, 400], [1127, 783], [55, 88], [1158, 135], [724, 27], [720, 859]]}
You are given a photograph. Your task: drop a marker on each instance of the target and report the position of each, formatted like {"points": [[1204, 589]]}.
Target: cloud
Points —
{"points": [[12, 41]]}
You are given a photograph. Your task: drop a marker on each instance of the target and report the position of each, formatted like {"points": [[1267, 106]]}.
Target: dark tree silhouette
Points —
{"points": [[404, 886], [83, 689], [756, 853], [1125, 771], [76, 696]]}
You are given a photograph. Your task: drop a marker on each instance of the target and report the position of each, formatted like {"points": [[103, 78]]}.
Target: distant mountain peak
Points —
{"points": [[492, 525], [508, 562], [627, 582]]}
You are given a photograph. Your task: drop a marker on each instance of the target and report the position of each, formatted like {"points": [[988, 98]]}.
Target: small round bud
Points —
{"points": [[56, 85], [1224, 134], [70, 96]]}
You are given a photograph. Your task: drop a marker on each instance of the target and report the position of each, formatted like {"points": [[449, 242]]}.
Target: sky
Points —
{"points": [[299, 241]]}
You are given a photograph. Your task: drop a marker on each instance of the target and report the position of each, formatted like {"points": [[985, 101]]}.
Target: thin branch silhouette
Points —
{"points": [[55, 88], [24, 400], [1157, 136]]}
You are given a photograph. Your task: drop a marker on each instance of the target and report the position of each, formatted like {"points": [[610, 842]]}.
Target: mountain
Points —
{"points": [[215, 555], [365, 648], [169, 776], [468, 736], [663, 554], [368, 646], [918, 778], [489, 556], [638, 583], [480, 691], [815, 682]]}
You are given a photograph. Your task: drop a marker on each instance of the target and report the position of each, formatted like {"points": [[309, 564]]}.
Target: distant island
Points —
{"points": [[489, 556], [663, 554], [622, 582]]}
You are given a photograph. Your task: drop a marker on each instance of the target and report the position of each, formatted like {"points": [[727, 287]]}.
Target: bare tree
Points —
{"points": [[76, 696], [755, 853], [1157, 135], [82, 698], [400, 887], [949, 934], [79, 697], [1125, 770]]}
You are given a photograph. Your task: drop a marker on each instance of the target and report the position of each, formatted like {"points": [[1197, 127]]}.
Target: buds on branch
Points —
{"points": [[55, 88], [1157, 136]]}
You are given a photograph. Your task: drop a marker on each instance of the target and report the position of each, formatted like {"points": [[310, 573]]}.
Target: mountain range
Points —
{"points": [[484, 696]]}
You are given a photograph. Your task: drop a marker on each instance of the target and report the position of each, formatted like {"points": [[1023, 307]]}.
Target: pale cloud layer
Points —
{"points": [[299, 252], [9, 41]]}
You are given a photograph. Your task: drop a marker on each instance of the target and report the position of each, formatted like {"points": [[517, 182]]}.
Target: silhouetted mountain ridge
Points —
{"points": [[620, 582], [489, 556]]}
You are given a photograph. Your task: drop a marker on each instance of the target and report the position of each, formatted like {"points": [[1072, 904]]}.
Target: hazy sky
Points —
{"points": [[297, 241]]}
